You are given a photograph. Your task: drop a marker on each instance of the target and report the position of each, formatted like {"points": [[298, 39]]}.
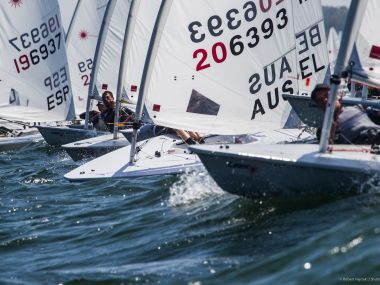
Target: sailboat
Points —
{"points": [[15, 134], [305, 169], [34, 69], [213, 74], [363, 70], [81, 41], [364, 62], [131, 55]]}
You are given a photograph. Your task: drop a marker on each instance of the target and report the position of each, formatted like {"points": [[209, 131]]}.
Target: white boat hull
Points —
{"points": [[58, 136], [95, 147], [290, 170], [16, 143], [159, 156]]}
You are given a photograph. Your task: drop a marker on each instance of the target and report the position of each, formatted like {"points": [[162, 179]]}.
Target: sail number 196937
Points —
{"points": [[43, 41]]}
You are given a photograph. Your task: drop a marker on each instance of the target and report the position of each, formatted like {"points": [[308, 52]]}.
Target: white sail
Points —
{"points": [[111, 54], [221, 67], [81, 48], [366, 53], [33, 60], [333, 43], [67, 8], [312, 55], [136, 54]]}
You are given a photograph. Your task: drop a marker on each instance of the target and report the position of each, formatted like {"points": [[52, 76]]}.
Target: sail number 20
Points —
{"points": [[218, 57]]}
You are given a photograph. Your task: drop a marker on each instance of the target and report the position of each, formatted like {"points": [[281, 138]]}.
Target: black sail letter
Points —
{"points": [[277, 99], [257, 109], [285, 66], [268, 81], [255, 85]]}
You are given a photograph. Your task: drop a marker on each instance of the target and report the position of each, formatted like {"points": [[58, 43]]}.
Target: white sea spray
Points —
{"points": [[191, 187]]}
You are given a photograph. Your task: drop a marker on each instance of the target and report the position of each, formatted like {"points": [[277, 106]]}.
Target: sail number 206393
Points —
{"points": [[238, 43]]}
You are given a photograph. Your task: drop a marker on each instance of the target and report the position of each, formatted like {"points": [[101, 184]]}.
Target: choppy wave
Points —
{"points": [[172, 230]]}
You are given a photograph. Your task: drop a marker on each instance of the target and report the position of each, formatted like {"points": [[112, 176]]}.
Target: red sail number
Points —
{"points": [[219, 54]]}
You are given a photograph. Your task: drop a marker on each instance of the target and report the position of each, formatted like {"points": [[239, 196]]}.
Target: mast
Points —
{"points": [[148, 69], [129, 28], [99, 50], [72, 22], [351, 29]]}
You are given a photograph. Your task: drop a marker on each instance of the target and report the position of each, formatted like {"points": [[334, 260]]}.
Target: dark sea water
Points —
{"points": [[173, 230]]}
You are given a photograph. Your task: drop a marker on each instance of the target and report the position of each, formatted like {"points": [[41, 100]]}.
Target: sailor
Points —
{"points": [[96, 118], [351, 124], [125, 114]]}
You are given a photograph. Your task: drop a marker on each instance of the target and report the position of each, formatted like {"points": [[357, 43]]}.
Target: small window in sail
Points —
{"points": [[200, 104]]}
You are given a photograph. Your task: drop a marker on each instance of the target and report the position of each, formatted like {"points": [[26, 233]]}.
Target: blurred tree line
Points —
{"points": [[334, 17]]}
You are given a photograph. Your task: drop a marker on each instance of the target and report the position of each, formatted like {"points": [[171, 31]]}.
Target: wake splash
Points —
{"points": [[191, 187], [371, 186]]}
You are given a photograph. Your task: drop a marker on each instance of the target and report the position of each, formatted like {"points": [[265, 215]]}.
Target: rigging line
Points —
{"points": [[303, 130], [15, 122], [346, 139], [281, 56], [140, 147], [311, 25], [291, 135]]}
